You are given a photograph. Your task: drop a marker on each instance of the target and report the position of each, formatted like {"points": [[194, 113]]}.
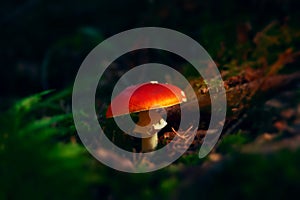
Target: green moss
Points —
{"points": [[232, 143]]}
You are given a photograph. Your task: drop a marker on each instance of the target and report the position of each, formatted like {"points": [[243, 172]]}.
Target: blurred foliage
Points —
{"points": [[34, 160], [232, 143], [40, 157], [247, 176]]}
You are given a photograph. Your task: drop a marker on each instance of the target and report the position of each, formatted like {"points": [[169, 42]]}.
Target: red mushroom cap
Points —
{"points": [[144, 97]]}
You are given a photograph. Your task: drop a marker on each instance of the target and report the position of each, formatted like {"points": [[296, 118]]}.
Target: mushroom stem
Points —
{"points": [[150, 143], [149, 128]]}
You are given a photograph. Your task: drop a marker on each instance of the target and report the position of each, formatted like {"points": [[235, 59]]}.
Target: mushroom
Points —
{"points": [[145, 99]]}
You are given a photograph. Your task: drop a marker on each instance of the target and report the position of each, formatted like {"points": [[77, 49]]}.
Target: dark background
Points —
{"points": [[44, 42]]}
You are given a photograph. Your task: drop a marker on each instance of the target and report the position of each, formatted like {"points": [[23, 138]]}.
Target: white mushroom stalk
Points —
{"points": [[150, 122]]}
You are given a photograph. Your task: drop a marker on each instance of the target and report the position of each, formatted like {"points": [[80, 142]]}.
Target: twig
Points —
{"points": [[183, 136]]}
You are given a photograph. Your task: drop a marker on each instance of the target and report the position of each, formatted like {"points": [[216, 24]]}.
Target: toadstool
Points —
{"points": [[145, 98]]}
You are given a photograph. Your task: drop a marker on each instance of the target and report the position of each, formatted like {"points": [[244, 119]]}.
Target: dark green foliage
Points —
{"points": [[33, 163], [38, 159], [232, 143], [248, 176], [190, 160]]}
